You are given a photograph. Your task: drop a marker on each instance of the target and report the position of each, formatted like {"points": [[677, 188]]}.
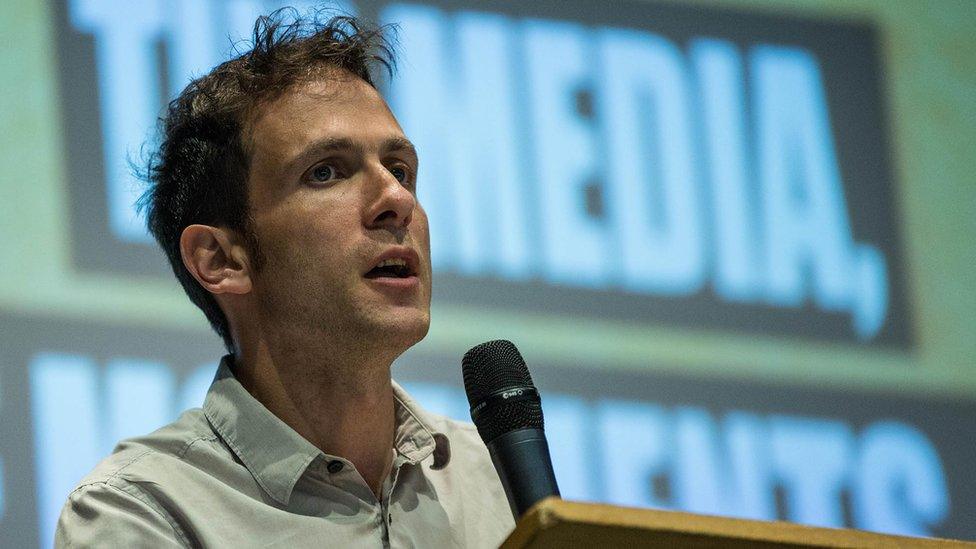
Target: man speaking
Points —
{"points": [[284, 194]]}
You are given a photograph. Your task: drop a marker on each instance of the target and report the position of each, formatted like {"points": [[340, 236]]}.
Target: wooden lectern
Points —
{"points": [[556, 523]]}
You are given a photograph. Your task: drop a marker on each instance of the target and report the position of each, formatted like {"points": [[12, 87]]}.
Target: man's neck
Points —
{"points": [[341, 402]]}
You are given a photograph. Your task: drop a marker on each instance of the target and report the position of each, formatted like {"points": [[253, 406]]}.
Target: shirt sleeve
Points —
{"points": [[104, 515]]}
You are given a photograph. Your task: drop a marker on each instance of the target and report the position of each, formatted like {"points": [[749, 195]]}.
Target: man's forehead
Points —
{"points": [[332, 91], [340, 106], [336, 86]]}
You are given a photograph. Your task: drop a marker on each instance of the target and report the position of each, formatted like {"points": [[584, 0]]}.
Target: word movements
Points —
{"points": [[678, 457]]}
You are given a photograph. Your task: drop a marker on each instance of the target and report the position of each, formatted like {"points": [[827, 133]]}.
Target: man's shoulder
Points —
{"points": [[146, 458], [123, 500]]}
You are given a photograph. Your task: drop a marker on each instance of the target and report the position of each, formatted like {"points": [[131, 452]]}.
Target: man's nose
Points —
{"points": [[391, 205]]}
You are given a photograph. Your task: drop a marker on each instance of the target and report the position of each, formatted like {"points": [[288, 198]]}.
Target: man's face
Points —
{"points": [[344, 243]]}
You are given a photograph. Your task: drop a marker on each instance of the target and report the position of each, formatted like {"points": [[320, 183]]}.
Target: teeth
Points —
{"points": [[392, 262]]}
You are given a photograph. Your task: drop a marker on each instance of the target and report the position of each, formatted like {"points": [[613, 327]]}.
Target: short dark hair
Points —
{"points": [[199, 172]]}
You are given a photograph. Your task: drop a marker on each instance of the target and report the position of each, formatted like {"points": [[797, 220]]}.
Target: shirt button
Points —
{"points": [[334, 466]]}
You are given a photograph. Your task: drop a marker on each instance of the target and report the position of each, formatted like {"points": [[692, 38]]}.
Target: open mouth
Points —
{"points": [[391, 268]]}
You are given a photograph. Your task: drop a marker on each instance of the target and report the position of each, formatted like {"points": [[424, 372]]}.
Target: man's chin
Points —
{"points": [[419, 330], [406, 327]]}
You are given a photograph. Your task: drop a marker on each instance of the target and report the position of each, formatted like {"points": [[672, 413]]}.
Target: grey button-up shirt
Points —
{"points": [[233, 474]]}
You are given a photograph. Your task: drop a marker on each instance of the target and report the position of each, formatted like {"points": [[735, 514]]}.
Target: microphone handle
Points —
{"points": [[522, 460]]}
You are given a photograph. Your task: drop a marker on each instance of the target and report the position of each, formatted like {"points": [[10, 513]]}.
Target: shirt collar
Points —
{"points": [[414, 439], [277, 456]]}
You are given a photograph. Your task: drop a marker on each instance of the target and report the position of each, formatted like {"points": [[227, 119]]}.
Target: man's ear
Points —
{"points": [[215, 258]]}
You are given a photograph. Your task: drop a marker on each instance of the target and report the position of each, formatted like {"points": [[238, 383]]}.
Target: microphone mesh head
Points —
{"points": [[493, 367]]}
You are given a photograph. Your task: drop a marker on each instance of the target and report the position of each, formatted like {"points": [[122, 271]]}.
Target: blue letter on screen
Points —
{"points": [[67, 441], [805, 214], [574, 243], [129, 94], [651, 184], [718, 66], [634, 440], [901, 488]]}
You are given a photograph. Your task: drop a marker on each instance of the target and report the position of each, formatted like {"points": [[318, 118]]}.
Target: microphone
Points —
{"points": [[505, 407]]}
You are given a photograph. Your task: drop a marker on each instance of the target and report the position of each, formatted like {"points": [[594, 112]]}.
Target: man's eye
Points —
{"points": [[400, 174], [323, 173]]}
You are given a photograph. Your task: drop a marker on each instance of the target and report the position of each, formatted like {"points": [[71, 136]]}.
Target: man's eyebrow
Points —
{"points": [[399, 144], [317, 148], [332, 144]]}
